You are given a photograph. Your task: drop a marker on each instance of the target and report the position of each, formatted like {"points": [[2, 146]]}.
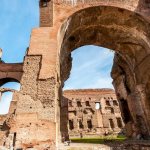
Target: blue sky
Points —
{"points": [[17, 18], [91, 64], [91, 68]]}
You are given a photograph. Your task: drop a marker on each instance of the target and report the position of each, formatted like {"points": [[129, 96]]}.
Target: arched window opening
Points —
{"points": [[80, 124], [87, 103], [71, 125], [108, 103], [79, 104], [14, 139], [89, 124], [111, 123], [44, 3], [119, 122]]}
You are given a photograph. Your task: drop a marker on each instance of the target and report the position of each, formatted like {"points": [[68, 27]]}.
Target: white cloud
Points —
{"points": [[6, 97], [91, 68]]}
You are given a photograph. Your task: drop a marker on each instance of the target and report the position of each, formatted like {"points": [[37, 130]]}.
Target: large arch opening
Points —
{"points": [[88, 91], [129, 38], [8, 88]]}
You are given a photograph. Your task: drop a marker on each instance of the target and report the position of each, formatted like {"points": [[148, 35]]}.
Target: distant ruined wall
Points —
{"points": [[93, 112], [64, 118], [35, 114]]}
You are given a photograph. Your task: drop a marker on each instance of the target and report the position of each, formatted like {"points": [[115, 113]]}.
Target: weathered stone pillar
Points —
{"points": [[46, 13], [115, 123], [64, 125], [138, 110], [144, 106]]}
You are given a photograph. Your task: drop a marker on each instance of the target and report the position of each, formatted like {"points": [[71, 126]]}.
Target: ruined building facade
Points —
{"points": [[93, 112], [121, 25]]}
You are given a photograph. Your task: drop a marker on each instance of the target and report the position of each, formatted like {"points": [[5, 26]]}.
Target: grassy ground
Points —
{"points": [[98, 140]]}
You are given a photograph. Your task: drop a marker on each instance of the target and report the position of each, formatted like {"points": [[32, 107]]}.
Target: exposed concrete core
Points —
{"points": [[120, 25], [92, 112], [10, 72]]}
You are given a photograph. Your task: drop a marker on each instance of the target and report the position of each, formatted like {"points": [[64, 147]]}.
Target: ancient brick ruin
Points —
{"points": [[121, 25], [93, 112]]}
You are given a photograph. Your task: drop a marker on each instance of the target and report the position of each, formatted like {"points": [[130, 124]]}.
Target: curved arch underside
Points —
{"points": [[120, 25], [6, 80], [123, 31]]}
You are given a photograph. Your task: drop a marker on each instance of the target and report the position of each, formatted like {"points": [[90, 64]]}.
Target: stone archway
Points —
{"points": [[120, 25], [125, 32]]}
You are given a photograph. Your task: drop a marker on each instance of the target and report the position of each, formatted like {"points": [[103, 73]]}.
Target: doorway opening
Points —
{"points": [[71, 125]]}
